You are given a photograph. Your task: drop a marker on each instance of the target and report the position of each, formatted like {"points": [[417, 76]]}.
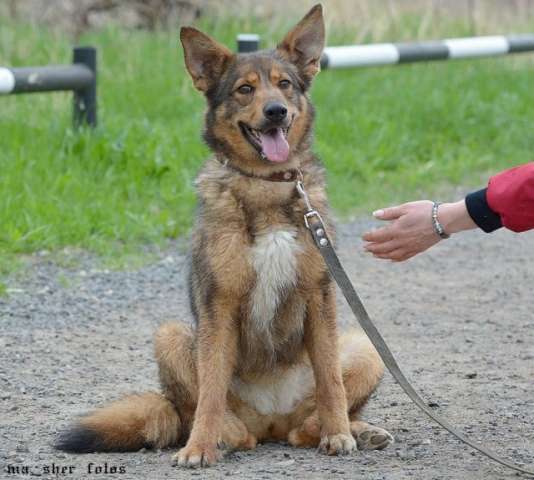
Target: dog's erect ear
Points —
{"points": [[304, 44], [205, 58]]}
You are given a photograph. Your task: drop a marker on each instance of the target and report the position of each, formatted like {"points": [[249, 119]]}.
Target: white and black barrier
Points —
{"points": [[80, 78], [248, 42], [397, 53]]}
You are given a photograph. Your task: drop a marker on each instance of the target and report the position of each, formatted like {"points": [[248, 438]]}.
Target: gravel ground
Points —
{"points": [[460, 320]]}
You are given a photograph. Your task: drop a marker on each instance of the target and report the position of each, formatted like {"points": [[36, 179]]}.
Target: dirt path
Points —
{"points": [[460, 320]]}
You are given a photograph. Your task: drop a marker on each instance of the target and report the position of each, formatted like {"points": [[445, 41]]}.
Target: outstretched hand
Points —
{"points": [[409, 233]]}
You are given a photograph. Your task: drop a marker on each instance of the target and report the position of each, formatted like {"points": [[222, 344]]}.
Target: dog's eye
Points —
{"points": [[245, 89], [283, 84]]}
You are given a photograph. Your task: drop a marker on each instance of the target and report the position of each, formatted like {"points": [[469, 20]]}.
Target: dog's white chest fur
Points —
{"points": [[274, 258], [277, 394]]}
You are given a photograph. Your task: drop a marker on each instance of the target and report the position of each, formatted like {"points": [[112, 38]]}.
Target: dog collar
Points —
{"points": [[291, 175]]}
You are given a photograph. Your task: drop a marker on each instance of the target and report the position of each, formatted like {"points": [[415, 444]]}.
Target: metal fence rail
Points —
{"points": [[396, 53], [449, 49], [80, 77]]}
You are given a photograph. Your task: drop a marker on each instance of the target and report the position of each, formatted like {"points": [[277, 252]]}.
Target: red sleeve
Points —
{"points": [[511, 195]]}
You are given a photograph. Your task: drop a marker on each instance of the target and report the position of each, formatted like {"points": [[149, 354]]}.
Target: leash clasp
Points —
{"points": [[310, 211], [304, 195]]}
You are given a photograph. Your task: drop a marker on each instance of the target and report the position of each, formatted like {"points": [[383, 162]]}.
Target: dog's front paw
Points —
{"points": [[193, 456], [337, 444]]}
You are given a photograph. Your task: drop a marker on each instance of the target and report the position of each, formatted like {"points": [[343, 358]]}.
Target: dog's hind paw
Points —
{"points": [[338, 444], [371, 437]]}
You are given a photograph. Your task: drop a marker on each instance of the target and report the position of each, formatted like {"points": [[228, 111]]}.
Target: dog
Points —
{"points": [[264, 360]]}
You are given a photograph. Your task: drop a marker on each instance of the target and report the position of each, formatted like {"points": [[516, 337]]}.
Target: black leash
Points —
{"points": [[315, 224]]}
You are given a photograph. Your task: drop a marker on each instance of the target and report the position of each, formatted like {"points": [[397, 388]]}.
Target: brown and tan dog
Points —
{"points": [[264, 360]]}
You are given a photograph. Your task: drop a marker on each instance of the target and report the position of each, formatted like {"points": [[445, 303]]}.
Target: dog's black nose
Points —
{"points": [[275, 111]]}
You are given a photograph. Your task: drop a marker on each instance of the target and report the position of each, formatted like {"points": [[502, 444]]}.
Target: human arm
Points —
{"points": [[411, 232], [507, 201], [510, 194]]}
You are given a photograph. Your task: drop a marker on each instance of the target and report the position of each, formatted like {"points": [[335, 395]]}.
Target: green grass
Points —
{"points": [[385, 134]]}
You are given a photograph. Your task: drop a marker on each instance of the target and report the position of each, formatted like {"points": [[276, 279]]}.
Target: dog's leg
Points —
{"points": [[368, 437], [307, 434], [235, 434], [216, 358], [362, 370], [176, 355], [321, 338], [175, 351]]}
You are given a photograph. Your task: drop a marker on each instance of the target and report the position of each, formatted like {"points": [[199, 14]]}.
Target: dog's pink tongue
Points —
{"points": [[274, 145]]}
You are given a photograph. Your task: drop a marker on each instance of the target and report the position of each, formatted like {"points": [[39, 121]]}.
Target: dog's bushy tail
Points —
{"points": [[146, 420]]}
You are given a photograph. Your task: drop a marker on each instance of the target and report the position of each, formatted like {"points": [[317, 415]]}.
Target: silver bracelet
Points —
{"points": [[438, 227]]}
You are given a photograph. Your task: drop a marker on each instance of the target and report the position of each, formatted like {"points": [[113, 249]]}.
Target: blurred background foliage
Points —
{"points": [[386, 134]]}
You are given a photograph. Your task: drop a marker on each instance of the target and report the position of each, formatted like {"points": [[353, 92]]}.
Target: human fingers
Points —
{"points": [[379, 235], [382, 247], [403, 256], [389, 213], [397, 255]]}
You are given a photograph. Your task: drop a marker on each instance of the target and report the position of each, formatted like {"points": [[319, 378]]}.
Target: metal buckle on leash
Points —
{"points": [[311, 212]]}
